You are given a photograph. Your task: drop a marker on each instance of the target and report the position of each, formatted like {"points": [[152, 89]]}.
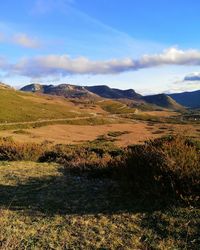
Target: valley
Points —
{"points": [[99, 125], [84, 171], [40, 116]]}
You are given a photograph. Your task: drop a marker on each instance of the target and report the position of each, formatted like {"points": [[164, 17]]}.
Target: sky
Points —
{"points": [[151, 46]]}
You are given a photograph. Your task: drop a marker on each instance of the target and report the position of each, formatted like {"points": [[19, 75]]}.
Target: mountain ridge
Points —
{"points": [[113, 93], [66, 90], [103, 91]]}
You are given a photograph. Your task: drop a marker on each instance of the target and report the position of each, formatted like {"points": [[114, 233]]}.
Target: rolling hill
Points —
{"points": [[17, 106]]}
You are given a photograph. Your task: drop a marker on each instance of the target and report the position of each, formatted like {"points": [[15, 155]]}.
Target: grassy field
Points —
{"points": [[16, 106], [80, 130], [43, 208]]}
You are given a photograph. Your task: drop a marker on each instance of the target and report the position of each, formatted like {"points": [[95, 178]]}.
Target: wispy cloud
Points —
{"points": [[109, 38], [21, 39], [25, 41], [48, 6], [63, 65]]}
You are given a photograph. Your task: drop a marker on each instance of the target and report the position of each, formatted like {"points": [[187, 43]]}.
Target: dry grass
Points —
{"points": [[71, 134], [163, 113], [43, 209], [74, 134]]}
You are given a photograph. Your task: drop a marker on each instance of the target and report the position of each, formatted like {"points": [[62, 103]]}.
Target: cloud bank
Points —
{"points": [[63, 65]]}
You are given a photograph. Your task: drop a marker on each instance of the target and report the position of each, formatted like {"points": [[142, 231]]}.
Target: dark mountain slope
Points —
{"points": [[188, 99], [163, 100], [112, 93]]}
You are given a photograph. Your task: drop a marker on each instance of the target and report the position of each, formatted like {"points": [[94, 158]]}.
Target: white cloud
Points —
{"points": [[171, 56], [25, 41], [62, 65]]}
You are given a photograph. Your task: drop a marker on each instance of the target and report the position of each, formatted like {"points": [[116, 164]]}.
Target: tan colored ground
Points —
{"points": [[164, 113], [73, 134]]}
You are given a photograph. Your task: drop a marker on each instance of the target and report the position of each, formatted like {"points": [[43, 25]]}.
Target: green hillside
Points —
{"points": [[115, 107], [16, 106]]}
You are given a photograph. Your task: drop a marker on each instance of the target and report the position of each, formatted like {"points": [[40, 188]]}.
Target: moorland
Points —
{"points": [[98, 168]]}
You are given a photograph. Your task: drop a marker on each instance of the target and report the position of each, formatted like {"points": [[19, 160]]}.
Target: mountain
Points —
{"points": [[163, 100], [112, 93], [93, 92], [66, 90], [188, 99], [74, 91]]}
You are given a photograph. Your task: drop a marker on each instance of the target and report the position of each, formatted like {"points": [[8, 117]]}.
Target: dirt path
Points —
{"points": [[48, 120]]}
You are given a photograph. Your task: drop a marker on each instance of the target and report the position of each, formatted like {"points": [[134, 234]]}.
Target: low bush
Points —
{"points": [[117, 133], [163, 167], [14, 151], [95, 158]]}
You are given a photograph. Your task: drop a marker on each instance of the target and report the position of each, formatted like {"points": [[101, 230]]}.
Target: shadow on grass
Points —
{"points": [[69, 194], [72, 194], [182, 225]]}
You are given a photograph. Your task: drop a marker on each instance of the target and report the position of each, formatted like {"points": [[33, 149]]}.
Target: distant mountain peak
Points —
{"points": [[34, 87]]}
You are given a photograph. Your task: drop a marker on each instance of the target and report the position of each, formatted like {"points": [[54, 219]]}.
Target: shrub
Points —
{"points": [[94, 158], [166, 166], [14, 151]]}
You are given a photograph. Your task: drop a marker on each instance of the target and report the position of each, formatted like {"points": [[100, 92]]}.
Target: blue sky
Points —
{"points": [[151, 46]]}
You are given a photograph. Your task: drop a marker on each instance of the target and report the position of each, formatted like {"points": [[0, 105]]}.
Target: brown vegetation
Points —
{"points": [[166, 166]]}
